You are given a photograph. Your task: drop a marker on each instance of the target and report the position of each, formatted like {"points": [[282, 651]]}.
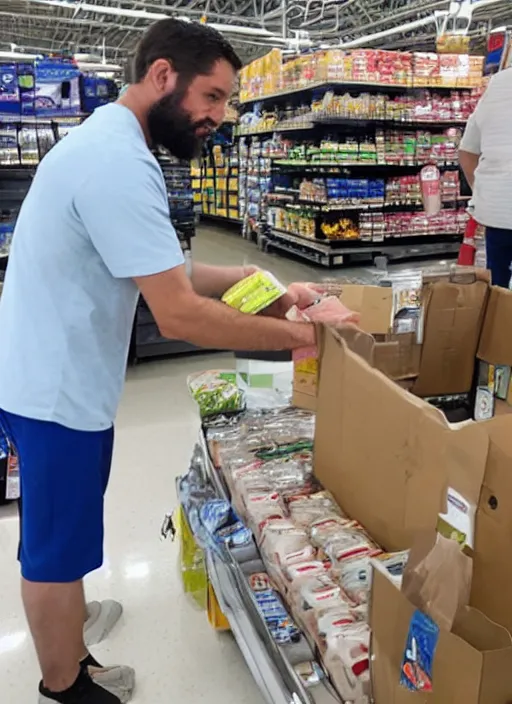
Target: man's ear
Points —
{"points": [[163, 76]]}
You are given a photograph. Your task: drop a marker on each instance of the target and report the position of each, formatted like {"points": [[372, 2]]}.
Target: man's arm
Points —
{"points": [[470, 145], [181, 313], [214, 281], [468, 163]]}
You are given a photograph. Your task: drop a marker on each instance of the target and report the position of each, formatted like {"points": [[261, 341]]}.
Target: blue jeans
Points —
{"points": [[498, 244]]}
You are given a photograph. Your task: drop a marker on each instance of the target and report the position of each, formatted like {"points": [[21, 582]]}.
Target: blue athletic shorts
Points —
{"points": [[63, 476]]}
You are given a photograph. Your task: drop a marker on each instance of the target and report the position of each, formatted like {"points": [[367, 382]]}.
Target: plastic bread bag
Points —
{"points": [[335, 621], [245, 480], [284, 544], [263, 506], [215, 392], [350, 542], [354, 577], [287, 477], [312, 597], [347, 660], [354, 574], [305, 510], [327, 528]]}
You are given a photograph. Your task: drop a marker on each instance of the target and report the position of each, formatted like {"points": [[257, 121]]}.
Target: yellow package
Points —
{"points": [[254, 293], [193, 567]]}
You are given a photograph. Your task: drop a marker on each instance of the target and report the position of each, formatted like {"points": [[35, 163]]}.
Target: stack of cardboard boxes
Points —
{"points": [[391, 459]]}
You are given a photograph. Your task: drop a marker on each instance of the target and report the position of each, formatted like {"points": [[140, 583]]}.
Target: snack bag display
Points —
{"points": [[215, 392], [254, 293]]}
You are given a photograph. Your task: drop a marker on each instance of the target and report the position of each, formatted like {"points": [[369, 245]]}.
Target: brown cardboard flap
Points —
{"points": [[492, 578], [373, 303], [496, 341], [398, 357], [305, 401], [458, 275], [453, 322], [483, 634], [466, 459], [437, 578], [378, 449]]}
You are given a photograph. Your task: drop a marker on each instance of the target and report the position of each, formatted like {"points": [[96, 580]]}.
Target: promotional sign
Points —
{"points": [[57, 89], [9, 91]]}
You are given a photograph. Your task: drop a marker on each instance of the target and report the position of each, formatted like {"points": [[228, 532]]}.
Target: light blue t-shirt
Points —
{"points": [[96, 215]]}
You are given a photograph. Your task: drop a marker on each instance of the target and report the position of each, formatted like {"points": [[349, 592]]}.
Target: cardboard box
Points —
{"points": [[495, 355], [375, 306], [496, 341], [389, 457], [472, 662], [454, 313]]}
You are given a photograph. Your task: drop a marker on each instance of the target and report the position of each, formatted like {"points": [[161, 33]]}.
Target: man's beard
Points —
{"points": [[171, 127]]}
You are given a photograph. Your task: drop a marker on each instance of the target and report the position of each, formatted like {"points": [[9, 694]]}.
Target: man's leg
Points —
{"points": [[100, 616], [62, 486], [55, 613], [498, 244]]}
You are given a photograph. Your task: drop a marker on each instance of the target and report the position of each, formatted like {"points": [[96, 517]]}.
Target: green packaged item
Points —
{"points": [[216, 392], [254, 293], [193, 565]]}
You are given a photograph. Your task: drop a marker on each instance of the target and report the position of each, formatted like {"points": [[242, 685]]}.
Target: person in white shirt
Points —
{"points": [[486, 159]]}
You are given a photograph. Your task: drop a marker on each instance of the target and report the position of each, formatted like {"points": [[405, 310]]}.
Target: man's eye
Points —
{"points": [[214, 97]]}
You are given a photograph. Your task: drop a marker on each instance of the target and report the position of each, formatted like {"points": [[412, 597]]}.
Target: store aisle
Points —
{"points": [[176, 654], [218, 245]]}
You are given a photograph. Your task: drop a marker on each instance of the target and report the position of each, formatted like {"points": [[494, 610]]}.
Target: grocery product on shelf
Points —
{"points": [[317, 560], [273, 73], [384, 147], [351, 128], [369, 226]]}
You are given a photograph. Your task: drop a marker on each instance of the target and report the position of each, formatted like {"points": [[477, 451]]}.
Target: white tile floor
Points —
{"points": [[176, 654]]}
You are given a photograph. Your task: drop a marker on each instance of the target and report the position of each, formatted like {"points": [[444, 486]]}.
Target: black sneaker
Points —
{"points": [[84, 691]]}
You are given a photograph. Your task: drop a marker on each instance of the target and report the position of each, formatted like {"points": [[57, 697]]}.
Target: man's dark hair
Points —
{"points": [[192, 48]]}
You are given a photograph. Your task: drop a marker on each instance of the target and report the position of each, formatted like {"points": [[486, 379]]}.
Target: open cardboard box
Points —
{"points": [[471, 665], [389, 457], [454, 310]]}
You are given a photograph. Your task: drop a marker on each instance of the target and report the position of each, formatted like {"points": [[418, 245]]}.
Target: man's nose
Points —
{"points": [[217, 115]]}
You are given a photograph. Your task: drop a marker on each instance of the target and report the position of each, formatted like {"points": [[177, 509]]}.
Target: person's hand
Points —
{"points": [[299, 295]]}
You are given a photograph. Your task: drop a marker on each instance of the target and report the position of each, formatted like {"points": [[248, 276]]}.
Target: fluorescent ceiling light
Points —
{"points": [[17, 55]]}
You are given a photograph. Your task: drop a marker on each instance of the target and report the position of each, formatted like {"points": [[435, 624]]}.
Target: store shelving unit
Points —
{"points": [[146, 339], [271, 665], [219, 179], [314, 127], [350, 86]]}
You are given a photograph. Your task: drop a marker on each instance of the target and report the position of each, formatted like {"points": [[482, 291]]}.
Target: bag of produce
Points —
{"points": [[216, 392]]}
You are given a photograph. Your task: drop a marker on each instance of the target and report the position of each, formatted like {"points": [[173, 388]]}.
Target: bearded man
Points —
{"points": [[94, 232]]}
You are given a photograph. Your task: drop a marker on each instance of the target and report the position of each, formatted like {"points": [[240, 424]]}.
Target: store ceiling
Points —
{"points": [[114, 27]]}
